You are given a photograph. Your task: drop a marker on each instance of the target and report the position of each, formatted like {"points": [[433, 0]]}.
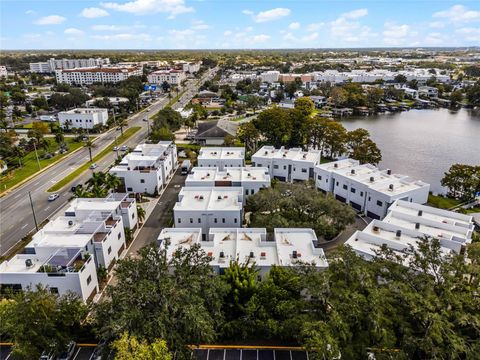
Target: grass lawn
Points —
{"points": [[30, 164], [74, 174], [442, 202]]}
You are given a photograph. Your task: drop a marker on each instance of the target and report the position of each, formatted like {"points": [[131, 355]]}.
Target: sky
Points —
{"points": [[237, 24]]}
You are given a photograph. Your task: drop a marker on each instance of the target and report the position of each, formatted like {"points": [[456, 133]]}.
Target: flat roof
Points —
{"points": [[84, 111], [294, 154], [221, 153], [299, 241], [235, 174], [179, 237], [210, 198], [93, 204], [59, 233]]}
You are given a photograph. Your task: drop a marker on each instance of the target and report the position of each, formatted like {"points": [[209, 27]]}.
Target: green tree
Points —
{"points": [[59, 138], [249, 135], [462, 181], [374, 96], [38, 320], [362, 148], [339, 96], [168, 118], [456, 97], [253, 102], [89, 144], [305, 105], [473, 94], [400, 78], [141, 213], [274, 125], [162, 134], [128, 347], [112, 182]]}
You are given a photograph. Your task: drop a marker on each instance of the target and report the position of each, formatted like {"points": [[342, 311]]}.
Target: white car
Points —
{"points": [[93, 166], [53, 197], [115, 148]]}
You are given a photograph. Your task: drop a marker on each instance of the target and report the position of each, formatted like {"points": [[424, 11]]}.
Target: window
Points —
{"points": [[361, 193], [89, 279], [199, 220], [129, 189], [133, 215], [326, 180], [319, 177], [379, 203], [119, 235], [179, 220], [142, 181], [215, 220], [235, 220], [54, 290], [369, 198], [336, 184], [345, 187], [352, 190], [275, 166], [223, 220], [304, 170], [109, 250], [284, 167], [191, 220]]}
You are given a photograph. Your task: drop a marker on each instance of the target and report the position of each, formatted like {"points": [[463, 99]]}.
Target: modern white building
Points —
{"points": [[41, 68], [83, 118], [366, 188], [191, 67], [148, 168], [115, 203], [172, 77], [62, 270], [206, 207], [287, 164], [88, 76], [406, 223], [428, 91], [56, 64], [288, 247], [115, 101], [221, 157], [270, 76], [251, 179]]}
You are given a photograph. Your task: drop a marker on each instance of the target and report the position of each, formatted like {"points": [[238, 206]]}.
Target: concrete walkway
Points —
{"points": [[359, 224]]}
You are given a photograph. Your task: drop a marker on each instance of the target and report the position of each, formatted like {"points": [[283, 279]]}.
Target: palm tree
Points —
{"points": [[90, 145], [122, 123], [97, 180], [82, 192], [140, 213], [112, 181], [98, 191], [59, 138]]}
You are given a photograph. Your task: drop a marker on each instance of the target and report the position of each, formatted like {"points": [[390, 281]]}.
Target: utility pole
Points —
{"points": [[36, 154], [33, 211]]}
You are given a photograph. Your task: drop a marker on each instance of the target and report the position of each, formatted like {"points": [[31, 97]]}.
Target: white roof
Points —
{"points": [[294, 154], [210, 198], [235, 174], [301, 241], [221, 153], [84, 111]]}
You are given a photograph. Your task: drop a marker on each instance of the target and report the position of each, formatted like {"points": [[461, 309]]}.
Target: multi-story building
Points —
{"points": [[287, 164], [88, 76], [3, 72], [83, 118], [428, 91], [172, 77], [270, 76], [206, 207], [221, 157], [56, 64], [191, 67], [288, 247], [406, 223], [251, 179], [366, 188], [148, 168]]}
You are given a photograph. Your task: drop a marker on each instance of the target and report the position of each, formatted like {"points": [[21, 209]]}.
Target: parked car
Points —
{"points": [[74, 187], [53, 197], [68, 353], [124, 148], [47, 356], [93, 166], [115, 148]]}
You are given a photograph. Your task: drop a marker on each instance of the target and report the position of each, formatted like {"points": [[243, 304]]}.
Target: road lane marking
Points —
{"points": [[18, 195], [46, 209], [24, 226]]}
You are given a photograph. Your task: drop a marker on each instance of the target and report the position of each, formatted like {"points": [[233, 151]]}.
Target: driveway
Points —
{"points": [[359, 224]]}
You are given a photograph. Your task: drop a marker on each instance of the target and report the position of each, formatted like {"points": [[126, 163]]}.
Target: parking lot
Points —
{"points": [[81, 353]]}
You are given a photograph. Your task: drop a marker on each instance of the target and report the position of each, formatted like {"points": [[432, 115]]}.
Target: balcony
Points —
{"points": [[65, 261]]}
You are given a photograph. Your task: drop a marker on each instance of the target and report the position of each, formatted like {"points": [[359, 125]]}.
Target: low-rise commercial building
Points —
{"points": [[366, 188], [221, 157], [406, 223], [89, 76], [206, 207], [172, 77], [251, 179], [83, 118], [288, 247], [148, 168], [287, 164]]}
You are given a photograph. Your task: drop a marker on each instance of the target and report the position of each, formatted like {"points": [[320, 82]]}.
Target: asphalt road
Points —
{"points": [[16, 216]]}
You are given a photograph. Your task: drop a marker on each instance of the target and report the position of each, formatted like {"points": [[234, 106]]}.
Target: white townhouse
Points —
{"points": [[406, 223], [83, 118], [62, 270], [89, 76], [366, 188], [251, 179], [148, 168], [172, 77], [287, 164], [289, 247], [115, 203], [206, 207], [221, 157]]}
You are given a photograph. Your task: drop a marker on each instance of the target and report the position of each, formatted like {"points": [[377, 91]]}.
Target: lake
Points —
{"points": [[423, 143]]}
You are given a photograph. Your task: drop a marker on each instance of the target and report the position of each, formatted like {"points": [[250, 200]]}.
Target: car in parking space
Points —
{"points": [[68, 353], [124, 148], [93, 166], [53, 196]]}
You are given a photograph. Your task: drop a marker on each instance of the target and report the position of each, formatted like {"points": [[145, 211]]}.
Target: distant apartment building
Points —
{"points": [[288, 247], [172, 77], [251, 179], [221, 157], [83, 118], [270, 76], [88, 76], [3, 72], [366, 188], [206, 207], [287, 164], [57, 64], [406, 223], [148, 168], [191, 67], [428, 91]]}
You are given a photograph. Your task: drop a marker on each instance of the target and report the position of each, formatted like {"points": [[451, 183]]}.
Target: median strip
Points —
{"points": [[74, 174]]}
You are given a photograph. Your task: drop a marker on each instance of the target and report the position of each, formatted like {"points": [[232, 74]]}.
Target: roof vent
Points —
{"points": [[219, 197], [208, 174], [376, 229], [420, 212], [266, 152], [390, 187], [28, 263], [335, 165], [389, 171], [201, 197], [228, 174], [352, 172], [372, 179], [417, 226], [304, 156], [284, 155], [70, 222], [294, 254], [398, 234]]}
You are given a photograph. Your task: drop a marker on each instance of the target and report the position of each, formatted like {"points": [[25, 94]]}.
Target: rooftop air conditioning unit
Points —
{"points": [[352, 172], [294, 254], [335, 165], [372, 179], [420, 212], [222, 254], [389, 172], [219, 197], [28, 263], [398, 234], [390, 187], [304, 156], [201, 197]]}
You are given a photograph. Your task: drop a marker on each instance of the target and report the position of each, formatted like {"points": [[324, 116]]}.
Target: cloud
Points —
{"points": [[458, 14], [146, 7], [309, 37], [294, 26], [315, 26], [200, 25], [122, 37], [50, 20], [355, 14], [436, 25], [347, 28], [268, 15], [93, 12], [469, 33], [115, 28], [255, 39], [181, 34], [73, 32], [227, 33], [395, 35], [434, 39], [306, 38]]}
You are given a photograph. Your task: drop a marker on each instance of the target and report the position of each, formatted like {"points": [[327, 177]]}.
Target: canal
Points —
{"points": [[423, 143]]}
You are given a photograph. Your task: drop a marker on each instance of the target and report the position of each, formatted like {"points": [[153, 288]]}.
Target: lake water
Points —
{"points": [[423, 143]]}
